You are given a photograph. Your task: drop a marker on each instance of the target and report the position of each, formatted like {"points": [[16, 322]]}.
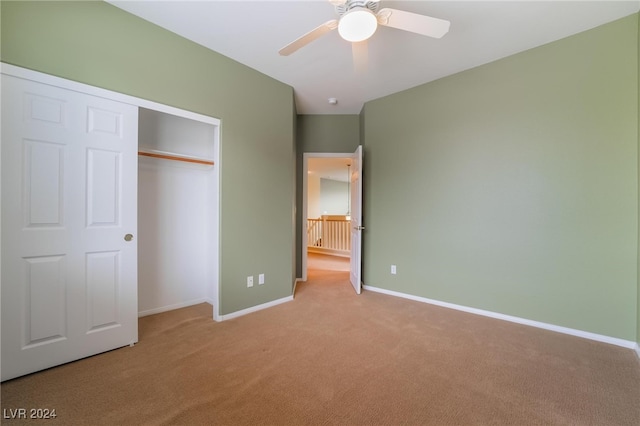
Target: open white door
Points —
{"points": [[69, 217], [356, 220]]}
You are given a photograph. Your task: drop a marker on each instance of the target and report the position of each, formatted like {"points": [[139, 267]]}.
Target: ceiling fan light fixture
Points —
{"points": [[358, 24]]}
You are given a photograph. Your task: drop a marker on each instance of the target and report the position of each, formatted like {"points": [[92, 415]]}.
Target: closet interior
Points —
{"points": [[178, 205]]}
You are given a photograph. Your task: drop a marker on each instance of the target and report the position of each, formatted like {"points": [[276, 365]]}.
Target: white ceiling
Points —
{"points": [[252, 32], [330, 168]]}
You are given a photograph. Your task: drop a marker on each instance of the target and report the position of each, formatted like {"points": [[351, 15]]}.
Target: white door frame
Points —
{"points": [[213, 296], [305, 172]]}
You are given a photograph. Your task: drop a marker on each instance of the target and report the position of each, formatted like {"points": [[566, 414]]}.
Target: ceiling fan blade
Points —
{"points": [[309, 37], [360, 51], [413, 22]]}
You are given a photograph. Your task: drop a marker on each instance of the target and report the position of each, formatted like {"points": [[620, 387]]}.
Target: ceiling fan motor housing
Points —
{"points": [[343, 8]]}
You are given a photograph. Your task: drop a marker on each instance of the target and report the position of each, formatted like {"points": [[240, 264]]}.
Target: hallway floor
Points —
{"points": [[327, 263]]}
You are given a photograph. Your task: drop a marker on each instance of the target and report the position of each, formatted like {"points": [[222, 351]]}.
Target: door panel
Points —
{"points": [[45, 300], [69, 195], [103, 285], [45, 110], [44, 164], [355, 275], [103, 184], [104, 122]]}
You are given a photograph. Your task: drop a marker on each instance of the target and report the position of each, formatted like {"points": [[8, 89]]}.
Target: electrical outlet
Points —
{"points": [[250, 281], [260, 279], [393, 269]]}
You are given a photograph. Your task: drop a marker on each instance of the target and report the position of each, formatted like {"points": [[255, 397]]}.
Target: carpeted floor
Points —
{"points": [[333, 358], [327, 263]]}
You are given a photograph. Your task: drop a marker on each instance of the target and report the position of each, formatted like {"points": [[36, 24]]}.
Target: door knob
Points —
{"points": [[128, 237]]}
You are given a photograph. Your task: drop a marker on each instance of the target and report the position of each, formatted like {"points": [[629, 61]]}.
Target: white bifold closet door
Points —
{"points": [[69, 218]]}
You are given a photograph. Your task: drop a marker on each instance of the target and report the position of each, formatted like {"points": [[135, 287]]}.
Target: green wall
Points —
{"points": [[638, 291], [321, 133], [328, 133], [98, 44], [513, 187]]}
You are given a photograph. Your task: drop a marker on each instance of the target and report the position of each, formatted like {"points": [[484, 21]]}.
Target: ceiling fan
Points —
{"points": [[359, 19]]}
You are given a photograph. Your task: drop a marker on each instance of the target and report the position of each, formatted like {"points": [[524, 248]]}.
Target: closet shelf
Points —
{"points": [[175, 157]]}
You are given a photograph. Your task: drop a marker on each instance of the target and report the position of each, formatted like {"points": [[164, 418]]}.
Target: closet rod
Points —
{"points": [[176, 158]]}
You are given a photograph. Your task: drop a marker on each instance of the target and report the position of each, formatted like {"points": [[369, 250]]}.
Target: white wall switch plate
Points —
{"points": [[393, 269], [250, 281], [260, 279]]}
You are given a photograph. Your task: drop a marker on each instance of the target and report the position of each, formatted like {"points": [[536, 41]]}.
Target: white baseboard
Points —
{"points": [[255, 308], [172, 307], [638, 349], [565, 330], [295, 285]]}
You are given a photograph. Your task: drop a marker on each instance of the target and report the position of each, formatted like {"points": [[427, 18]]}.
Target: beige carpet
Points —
{"points": [[331, 357], [327, 262]]}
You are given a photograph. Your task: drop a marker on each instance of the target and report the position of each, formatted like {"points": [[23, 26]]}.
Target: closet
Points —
{"points": [[112, 213], [177, 211]]}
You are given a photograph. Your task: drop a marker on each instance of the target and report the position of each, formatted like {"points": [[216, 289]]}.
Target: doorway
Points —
{"points": [[326, 207], [177, 211]]}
